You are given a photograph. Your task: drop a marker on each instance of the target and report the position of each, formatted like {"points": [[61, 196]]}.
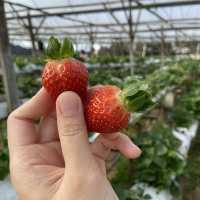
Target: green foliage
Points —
{"points": [[136, 96], [4, 156], [107, 76], [180, 116], [134, 194], [166, 77], [191, 178], [29, 84], [187, 107], [160, 164], [122, 173], [21, 61], [1, 85], [144, 66], [107, 58], [38, 60]]}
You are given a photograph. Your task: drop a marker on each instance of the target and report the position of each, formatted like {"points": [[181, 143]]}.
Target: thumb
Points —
{"points": [[72, 130]]}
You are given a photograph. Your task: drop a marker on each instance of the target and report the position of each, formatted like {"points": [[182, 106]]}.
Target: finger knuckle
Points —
{"points": [[11, 116]]}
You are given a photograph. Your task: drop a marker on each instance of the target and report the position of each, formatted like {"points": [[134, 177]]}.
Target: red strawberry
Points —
{"points": [[62, 73], [107, 107], [65, 75], [104, 111]]}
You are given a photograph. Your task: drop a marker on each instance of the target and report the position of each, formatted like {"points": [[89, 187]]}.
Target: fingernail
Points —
{"points": [[69, 104]]}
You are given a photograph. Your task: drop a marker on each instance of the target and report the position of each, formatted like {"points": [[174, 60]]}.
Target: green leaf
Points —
{"points": [[53, 48], [147, 196], [136, 97], [162, 149], [67, 49]]}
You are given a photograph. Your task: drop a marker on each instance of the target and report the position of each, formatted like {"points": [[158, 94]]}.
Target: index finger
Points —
{"points": [[21, 125]]}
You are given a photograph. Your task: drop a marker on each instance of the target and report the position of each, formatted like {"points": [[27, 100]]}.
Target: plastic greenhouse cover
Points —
{"points": [[79, 25]]}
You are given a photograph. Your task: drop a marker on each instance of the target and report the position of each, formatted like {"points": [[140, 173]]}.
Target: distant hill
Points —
{"points": [[18, 50]]}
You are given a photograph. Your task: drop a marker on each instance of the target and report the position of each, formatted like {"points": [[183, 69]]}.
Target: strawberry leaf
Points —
{"points": [[136, 97], [53, 48], [67, 49]]}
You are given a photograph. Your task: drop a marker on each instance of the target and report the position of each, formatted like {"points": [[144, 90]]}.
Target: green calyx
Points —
{"points": [[136, 97], [59, 50]]}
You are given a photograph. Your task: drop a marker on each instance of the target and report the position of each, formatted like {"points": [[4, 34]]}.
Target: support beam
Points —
{"points": [[40, 26], [21, 21], [144, 50], [94, 9], [9, 78], [31, 33], [162, 47], [114, 17], [146, 30], [197, 50], [29, 27], [131, 38], [125, 13], [45, 14], [192, 22], [136, 27], [91, 35], [158, 16]]}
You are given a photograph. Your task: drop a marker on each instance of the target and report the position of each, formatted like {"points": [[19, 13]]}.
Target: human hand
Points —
{"points": [[52, 159]]}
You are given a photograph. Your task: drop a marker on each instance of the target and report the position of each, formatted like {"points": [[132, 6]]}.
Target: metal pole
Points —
{"points": [[131, 39], [32, 35], [144, 50], [162, 46], [9, 77], [197, 50]]}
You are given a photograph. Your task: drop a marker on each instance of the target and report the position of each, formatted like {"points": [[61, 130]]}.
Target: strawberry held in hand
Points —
{"points": [[62, 72], [107, 107]]}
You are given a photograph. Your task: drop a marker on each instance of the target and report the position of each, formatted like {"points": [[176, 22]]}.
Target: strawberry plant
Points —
{"points": [[4, 158], [133, 194], [28, 85], [191, 178], [160, 165], [1, 86], [21, 61], [38, 60]]}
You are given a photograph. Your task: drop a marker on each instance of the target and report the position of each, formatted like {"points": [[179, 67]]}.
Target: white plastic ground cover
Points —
{"points": [[185, 135], [6, 190]]}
